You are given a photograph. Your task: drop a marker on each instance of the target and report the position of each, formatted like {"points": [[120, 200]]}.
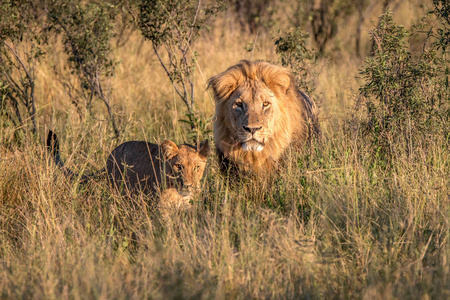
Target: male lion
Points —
{"points": [[259, 113], [167, 170]]}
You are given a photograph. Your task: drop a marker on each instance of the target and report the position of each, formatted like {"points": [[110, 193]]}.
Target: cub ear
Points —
{"points": [[203, 149], [169, 149], [224, 84]]}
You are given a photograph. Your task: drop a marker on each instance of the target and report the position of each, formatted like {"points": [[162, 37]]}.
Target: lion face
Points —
{"points": [[259, 113], [186, 164], [253, 112]]}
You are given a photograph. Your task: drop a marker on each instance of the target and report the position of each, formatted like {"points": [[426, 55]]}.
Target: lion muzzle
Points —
{"points": [[252, 145]]}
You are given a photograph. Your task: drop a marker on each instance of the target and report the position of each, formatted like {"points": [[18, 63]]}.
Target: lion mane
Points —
{"points": [[259, 114]]}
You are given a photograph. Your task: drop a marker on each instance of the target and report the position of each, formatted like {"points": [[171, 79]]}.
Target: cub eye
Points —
{"points": [[266, 104], [178, 167], [238, 104], [196, 168]]}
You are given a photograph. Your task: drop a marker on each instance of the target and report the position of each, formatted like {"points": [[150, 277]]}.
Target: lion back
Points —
{"points": [[135, 165], [310, 115]]}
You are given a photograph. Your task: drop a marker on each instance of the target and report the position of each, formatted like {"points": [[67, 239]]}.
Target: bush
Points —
{"points": [[406, 99], [172, 27], [20, 54], [87, 31], [292, 50]]}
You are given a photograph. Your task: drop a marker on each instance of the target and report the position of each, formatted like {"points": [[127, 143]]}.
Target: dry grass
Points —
{"points": [[333, 224]]}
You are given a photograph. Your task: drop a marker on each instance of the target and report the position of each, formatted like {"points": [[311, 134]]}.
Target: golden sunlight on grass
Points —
{"points": [[334, 224]]}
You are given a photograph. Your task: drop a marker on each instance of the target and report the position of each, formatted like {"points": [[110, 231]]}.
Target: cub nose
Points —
{"points": [[252, 130]]}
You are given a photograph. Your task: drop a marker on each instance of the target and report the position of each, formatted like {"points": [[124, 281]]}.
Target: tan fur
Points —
{"points": [[171, 198], [259, 113], [138, 165]]}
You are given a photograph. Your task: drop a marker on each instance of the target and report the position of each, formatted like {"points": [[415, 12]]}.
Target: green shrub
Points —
{"points": [[20, 54], [87, 31], [406, 98], [172, 27], [292, 50]]}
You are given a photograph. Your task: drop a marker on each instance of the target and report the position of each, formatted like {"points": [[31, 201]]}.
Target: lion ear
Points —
{"points": [[280, 81], [224, 84], [169, 149], [203, 149]]}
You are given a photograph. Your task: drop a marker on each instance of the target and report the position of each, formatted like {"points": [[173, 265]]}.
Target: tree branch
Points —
{"points": [[16, 87], [165, 69], [188, 41], [16, 55]]}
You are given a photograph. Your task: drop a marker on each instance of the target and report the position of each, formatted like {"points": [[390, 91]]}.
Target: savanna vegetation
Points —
{"points": [[363, 213]]}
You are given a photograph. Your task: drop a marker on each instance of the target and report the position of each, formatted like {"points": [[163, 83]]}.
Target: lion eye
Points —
{"points": [[266, 104], [196, 168], [178, 167], [239, 104]]}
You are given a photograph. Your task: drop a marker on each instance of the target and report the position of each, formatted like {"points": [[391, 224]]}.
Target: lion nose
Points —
{"points": [[252, 130]]}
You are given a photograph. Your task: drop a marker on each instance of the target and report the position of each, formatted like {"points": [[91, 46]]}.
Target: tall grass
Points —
{"points": [[334, 223]]}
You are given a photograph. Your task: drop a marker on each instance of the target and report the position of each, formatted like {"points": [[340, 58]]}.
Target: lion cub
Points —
{"points": [[139, 165], [167, 171]]}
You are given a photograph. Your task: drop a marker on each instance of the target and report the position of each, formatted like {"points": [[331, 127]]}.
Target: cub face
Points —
{"points": [[186, 164]]}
